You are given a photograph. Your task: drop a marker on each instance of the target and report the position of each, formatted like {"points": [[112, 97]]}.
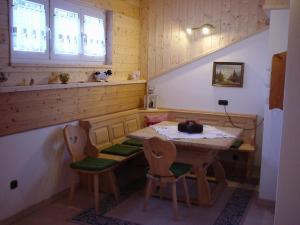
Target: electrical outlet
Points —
{"points": [[13, 184], [223, 102]]}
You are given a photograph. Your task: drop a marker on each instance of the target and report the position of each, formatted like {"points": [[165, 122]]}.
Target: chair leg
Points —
{"points": [[96, 190], [174, 198], [148, 193], [113, 184], [90, 182], [73, 187], [186, 192], [160, 189]]}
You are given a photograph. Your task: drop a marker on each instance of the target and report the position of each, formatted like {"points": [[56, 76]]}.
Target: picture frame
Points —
{"points": [[228, 74], [150, 101]]}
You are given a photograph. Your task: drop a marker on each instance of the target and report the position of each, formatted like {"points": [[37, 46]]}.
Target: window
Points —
{"points": [[94, 38], [29, 36], [75, 33], [66, 32]]}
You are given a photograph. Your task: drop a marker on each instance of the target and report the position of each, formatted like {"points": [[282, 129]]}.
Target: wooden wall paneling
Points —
{"points": [[174, 32], [144, 38], [21, 111], [151, 45], [234, 20], [207, 18], [126, 44], [253, 21], [235, 17], [244, 19], [276, 4], [158, 39], [124, 52]]}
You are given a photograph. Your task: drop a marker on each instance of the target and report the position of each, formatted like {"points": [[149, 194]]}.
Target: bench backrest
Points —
{"points": [[104, 131]]}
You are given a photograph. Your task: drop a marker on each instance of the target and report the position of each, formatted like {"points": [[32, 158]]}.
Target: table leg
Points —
{"points": [[219, 172], [204, 193]]}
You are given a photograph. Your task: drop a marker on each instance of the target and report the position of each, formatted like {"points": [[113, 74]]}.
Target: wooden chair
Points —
{"points": [[75, 139], [161, 155]]}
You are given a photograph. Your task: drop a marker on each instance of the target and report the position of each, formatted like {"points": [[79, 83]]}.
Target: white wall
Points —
{"points": [[287, 209], [190, 87], [40, 163], [278, 39]]}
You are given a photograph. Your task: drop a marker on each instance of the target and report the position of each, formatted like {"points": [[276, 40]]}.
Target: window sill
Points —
{"points": [[64, 86], [65, 65]]}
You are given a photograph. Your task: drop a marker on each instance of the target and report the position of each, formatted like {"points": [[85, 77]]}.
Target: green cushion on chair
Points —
{"points": [[122, 150], [179, 169], [133, 142], [93, 164], [237, 143]]}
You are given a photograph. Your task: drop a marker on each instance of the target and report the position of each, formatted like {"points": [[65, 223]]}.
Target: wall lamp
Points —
{"points": [[206, 29]]}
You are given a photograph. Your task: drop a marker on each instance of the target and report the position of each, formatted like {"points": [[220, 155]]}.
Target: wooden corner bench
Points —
{"points": [[108, 130]]}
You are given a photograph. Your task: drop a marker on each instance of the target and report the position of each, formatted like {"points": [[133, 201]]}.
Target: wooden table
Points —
{"points": [[200, 153]]}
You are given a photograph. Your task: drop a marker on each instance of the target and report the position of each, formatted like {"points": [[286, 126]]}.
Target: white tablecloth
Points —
{"points": [[171, 132]]}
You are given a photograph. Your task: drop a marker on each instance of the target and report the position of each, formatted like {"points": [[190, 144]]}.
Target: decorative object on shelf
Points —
{"points": [[102, 76], [228, 74], [31, 82], [54, 78], [135, 75], [150, 100], [190, 126], [22, 83], [3, 77], [64, 77]]}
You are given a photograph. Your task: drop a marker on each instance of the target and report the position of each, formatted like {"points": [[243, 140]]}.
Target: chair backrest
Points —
{"points": [[160, 155], [75, 139]]}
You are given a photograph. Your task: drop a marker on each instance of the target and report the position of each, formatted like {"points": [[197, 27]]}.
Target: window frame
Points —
{"points": [[25, 56], [49, 57], [85, 11], [59, 58]]}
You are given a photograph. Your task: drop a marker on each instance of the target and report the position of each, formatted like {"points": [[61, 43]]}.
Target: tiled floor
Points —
{"points": [[59, 213]]}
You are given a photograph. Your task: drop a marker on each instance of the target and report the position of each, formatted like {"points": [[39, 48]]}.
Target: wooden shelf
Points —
{"points": [[70, 85]]}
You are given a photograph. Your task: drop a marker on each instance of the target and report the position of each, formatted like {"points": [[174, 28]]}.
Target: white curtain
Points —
{"points": [[66, 32], [29, 26], [94, 36]]}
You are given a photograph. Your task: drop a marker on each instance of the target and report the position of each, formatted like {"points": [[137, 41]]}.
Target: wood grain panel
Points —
{"points": [[116, 123], [117, 130], [164, 24], [132, 125], [21, 111], [277, 4], [102, 137], [123, 53]]}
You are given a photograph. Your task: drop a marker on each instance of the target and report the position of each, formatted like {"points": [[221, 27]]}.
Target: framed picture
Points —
{"points": [[228, 74], [150, 101]]}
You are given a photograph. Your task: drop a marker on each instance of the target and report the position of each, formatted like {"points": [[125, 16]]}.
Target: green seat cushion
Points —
{"points": [[122, 150], [93, 164], [237, 143], [178, 169], [133, 142]]}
